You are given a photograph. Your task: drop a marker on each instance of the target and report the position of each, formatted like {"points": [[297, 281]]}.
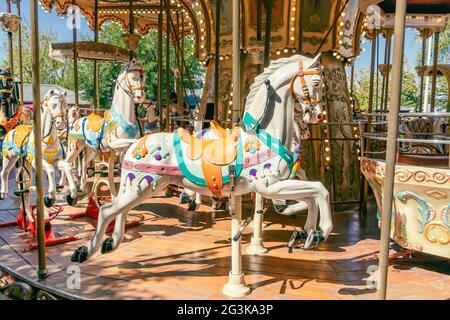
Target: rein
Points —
{"points": [[252, 125], [301, 75]]}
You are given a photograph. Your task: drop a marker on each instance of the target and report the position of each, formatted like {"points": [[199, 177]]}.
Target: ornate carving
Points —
{"points": [[438, 195], [437, 232], [425, 210], [438, 177]]}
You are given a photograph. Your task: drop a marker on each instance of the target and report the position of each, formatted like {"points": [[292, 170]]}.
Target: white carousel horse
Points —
{"points": [[20, 143], [150, 122], [114, 132], [73, 114], [251, 158]]}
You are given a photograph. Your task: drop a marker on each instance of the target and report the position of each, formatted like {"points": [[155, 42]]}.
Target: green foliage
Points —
{"points": [[54, 72]]}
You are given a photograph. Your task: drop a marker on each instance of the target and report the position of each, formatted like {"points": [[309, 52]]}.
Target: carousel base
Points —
{"points": [[235, 287], [256, 247], [177, 254]]}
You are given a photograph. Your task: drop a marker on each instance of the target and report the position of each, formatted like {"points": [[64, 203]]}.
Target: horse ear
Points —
{"points": [[52, 91], [64, 93], [316, 61]]}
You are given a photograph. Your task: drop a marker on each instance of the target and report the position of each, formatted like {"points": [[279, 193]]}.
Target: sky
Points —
{"points": [[52, 22]]}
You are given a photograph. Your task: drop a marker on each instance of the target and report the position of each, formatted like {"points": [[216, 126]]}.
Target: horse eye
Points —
{"points": [[54, 105]]}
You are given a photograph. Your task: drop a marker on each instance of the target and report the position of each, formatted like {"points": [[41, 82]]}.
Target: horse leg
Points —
{"points": [[73, 150], [66, 169], [50, 199], [113, 242], [128, 197], [88, 156], [299, 190], [8, 164], [62, 180]]}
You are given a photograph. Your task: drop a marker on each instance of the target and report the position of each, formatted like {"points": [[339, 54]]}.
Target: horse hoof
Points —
{"points": [[71, 201], [59, 187], [49, 202], [107, 245], [80, 255], [279, 208], [192, 206], [184, 198]]}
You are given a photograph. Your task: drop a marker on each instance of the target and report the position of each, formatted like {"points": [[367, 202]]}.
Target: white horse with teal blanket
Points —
{"points": [[253, 157], [116, 131]]}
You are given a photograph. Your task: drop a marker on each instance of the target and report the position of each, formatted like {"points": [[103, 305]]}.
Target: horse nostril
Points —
{"points": [[138, 97]]}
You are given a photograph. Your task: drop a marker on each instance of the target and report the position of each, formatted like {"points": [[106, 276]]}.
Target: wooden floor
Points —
{"points": [[177, 254]]}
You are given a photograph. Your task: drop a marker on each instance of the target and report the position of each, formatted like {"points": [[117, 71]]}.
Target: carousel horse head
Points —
{"points": [[287, 93], [55, 103], [307, 91], [132, 80], [73, 113]]}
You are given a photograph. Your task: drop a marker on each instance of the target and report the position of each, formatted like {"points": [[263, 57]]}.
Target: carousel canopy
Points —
{"points": [[89, 50]]}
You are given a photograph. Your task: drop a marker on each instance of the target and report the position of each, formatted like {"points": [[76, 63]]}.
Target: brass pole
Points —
{"points": [[369, 110], [383, 83], [388, 63], [177, 63], [301, 27], [434, 76], [267, 33], [10, 42], [216, 59], [19, 40], [131, 25], [236, 73], [259, 28], [96, 63], [75, 52], [397, 68], [422, 62], [182, 90], [160, 62], [167, 65], [42, 269]]}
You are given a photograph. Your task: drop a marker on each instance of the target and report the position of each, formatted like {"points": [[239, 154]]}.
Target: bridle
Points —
{"points": [[306, 94], [52, 116], [129, 90]]}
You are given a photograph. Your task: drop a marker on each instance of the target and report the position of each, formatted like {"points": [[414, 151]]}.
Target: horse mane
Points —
{"points": [[259, 80]]}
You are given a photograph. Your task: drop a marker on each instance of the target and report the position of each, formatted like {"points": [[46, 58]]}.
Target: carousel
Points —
{"points": [[276, 186]]}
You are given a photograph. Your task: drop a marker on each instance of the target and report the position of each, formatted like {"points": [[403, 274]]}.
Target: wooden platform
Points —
{"points": [[177, 254]]}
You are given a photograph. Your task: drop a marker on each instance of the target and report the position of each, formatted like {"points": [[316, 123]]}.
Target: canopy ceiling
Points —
{"points": [[307, 26]]}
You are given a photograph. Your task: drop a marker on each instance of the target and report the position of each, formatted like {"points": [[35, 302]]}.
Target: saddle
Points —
{"points": [[94, 122], [21, 134], [213, 154]]}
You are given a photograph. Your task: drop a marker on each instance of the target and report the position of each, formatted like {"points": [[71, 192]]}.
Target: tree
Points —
{"points": [[111, 33], [51, 71], [54, 72]]}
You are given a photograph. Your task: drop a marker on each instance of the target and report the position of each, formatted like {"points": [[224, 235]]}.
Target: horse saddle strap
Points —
{"points": [[213, 177]]}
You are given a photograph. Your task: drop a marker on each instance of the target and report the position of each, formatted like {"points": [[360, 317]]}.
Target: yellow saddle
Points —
{"points": [[214, 153], [22, 133], [220, 151], [94, 122]]}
